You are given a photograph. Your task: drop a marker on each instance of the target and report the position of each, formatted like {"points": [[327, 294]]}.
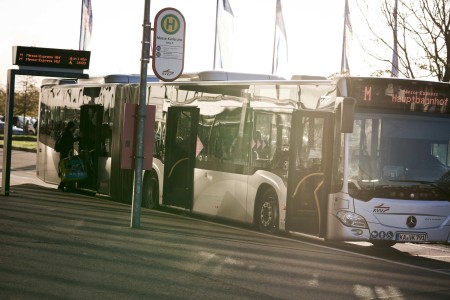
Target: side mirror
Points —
{"points": [[347, 114]]}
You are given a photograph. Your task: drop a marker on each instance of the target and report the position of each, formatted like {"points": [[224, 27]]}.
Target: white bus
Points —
{"points": [[282, 155]]}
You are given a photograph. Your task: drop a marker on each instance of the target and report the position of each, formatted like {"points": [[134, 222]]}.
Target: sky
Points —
{"points": [[314, 32]]}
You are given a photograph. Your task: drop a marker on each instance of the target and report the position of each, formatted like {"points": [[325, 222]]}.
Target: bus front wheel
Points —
{"points": [[266, 213], [150, 192]]}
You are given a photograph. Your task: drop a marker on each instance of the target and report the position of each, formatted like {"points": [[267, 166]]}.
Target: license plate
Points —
{"points": [[412, 237]]}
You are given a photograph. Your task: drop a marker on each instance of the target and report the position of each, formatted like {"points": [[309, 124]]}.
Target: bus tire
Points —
{"points": [[266, 213], [383, 243], [150, 191]]}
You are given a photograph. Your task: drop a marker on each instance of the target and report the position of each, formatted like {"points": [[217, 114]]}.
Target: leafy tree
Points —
{"points": [[26, 98], [2, 101], [423, 36]]}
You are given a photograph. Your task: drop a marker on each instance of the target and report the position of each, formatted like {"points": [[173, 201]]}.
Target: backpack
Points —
{"points": [[58, 143]]}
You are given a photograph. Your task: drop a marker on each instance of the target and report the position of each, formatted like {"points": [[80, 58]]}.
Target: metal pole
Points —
{"points": [[274, 39], [81, 25], [7, 134], [216, 36], [139, 156]]}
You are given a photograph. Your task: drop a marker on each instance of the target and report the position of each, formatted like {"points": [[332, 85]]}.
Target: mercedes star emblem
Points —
{"points": [[411, 221]]}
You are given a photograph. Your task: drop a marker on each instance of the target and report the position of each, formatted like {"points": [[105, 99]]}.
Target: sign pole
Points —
{"points": [[139, 156], [9, 112]]}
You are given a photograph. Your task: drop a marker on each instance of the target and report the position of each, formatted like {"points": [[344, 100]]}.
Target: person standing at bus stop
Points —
{"points": [[65, 147]]}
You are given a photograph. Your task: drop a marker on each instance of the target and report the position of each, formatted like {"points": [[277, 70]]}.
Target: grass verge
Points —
{"points": [[22, 142]]}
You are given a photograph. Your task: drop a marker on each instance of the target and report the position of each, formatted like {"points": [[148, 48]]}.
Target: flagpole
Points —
{"points": [[345, 68], [215, 40], [274, 38], [394, 70], [81, 26], [344, 38]]}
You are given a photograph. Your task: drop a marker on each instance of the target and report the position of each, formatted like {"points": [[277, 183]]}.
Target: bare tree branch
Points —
{"points": [[424, 27]]}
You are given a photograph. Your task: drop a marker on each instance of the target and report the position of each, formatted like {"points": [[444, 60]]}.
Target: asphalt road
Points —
{"points": [[56, 245]]}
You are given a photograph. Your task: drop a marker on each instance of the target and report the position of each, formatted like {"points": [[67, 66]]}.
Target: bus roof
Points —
{"points": [[200, 77], [113, 78], [234, 76]]}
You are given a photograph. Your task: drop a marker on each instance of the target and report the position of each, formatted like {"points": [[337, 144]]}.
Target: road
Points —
{"points": [[24, 171], [59, 245]]}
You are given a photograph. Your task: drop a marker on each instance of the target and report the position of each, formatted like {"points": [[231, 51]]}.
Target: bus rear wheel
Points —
{"points": [[150, 192], [266, 213]]}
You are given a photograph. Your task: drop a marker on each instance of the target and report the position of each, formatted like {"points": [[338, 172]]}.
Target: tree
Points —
{"points": [[423, 37], [2, 101], [26, 97]]}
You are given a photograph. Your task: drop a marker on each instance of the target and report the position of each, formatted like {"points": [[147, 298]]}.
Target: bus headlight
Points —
{"points": [[351, 219]]}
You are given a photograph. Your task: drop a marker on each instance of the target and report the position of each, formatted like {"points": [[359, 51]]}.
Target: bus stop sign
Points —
{"points": [[168, 44]]}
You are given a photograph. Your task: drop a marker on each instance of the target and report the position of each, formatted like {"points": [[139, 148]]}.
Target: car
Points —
{"points": [[15, 129]]}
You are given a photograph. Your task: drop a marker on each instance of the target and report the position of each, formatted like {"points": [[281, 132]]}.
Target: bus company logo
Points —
{"points": [[167, 72], [381, 209]]}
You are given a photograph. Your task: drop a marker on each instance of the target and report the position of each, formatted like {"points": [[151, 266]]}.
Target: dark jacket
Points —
{"points": [[66, 143]]}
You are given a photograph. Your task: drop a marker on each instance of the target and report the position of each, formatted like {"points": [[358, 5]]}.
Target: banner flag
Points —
{"points": [[394, 71], [280, 46], [86, 24], [224, 35], [346, 40]]}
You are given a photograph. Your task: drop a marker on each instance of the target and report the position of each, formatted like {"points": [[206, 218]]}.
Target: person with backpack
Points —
{"points": [[64, 145]]}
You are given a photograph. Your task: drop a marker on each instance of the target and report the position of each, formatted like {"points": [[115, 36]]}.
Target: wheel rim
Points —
{"points": [[267, 215]]}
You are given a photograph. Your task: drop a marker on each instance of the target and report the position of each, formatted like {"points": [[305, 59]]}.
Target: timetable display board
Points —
{"points": [[51, 58]]}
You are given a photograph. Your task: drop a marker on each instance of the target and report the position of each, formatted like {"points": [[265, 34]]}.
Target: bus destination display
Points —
{"points": [[409, 95], [51, 57]]}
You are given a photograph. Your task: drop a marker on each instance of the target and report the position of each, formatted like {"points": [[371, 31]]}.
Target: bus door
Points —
{"points": [[309, 172], [179, 157], [90, 143]]}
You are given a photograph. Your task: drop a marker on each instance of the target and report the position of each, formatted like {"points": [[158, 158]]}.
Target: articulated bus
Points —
{"points": [[352, 159]]}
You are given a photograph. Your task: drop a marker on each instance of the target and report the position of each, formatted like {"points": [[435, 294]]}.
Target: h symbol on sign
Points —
{"points": [[170, 22]]}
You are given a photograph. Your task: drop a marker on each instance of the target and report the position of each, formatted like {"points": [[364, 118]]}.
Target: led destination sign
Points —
{"points": [[400, 94], [51, 58]]}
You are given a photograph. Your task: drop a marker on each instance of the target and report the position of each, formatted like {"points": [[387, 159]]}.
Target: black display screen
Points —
{"points": [[51, 57]]}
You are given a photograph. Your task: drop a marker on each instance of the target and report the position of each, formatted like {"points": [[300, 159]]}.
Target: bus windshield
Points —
{"points": [[394, 151]]}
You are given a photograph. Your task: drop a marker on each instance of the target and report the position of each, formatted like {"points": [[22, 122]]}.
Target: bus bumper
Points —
{"points": [[337, 231]]}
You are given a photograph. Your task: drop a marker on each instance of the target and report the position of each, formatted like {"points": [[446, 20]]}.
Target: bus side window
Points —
{"points": [[311, 156], [227, 141], [261, 150], [106, 138], [260, 146]]}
